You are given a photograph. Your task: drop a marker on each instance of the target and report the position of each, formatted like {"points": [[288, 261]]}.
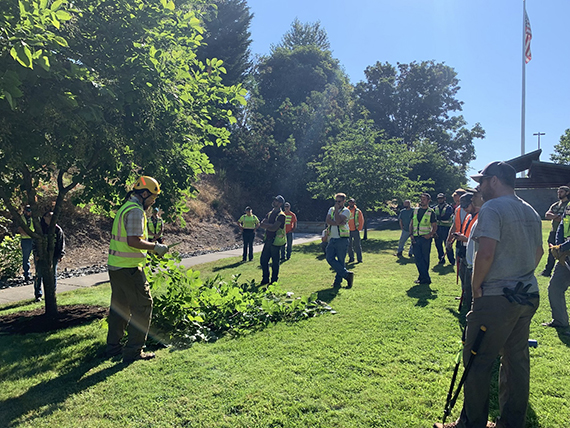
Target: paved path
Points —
{"points": [[26, 292]]}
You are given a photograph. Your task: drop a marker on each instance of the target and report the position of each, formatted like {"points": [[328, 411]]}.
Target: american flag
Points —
{"points": [[527, 39]]}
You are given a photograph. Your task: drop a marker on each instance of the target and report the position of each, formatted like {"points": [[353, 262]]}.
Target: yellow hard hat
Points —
{"points": [[147, 183]]}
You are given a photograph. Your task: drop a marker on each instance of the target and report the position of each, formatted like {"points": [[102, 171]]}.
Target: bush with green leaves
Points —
{"points": [[188, 309], [10, 257]]}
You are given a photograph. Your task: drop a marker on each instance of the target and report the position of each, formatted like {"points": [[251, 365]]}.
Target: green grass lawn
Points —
{"points": [[384, 360]]}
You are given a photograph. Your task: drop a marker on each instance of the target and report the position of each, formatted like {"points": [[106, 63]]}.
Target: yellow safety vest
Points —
{"points": [[155, 231], [24, 235], [343, 229], [566, 221], [424, 227], [120, 254], [446, 223]]}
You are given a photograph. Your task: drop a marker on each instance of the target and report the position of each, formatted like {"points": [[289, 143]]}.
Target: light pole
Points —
{"points": [[538, 134]]}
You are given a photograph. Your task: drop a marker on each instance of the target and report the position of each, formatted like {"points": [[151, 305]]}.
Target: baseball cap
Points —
{"points": [[279, 199], [565, 188], [427, 195], [440, 195], [465, 200], [351, 200], [501, 170]]}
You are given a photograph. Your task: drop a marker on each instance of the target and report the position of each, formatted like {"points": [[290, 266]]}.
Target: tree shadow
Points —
{"points": [[423, 293], [405, 261], [46, 354], [379, 245]]}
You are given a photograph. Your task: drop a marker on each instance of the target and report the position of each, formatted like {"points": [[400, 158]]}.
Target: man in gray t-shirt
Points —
{"points": [[505, 298]]}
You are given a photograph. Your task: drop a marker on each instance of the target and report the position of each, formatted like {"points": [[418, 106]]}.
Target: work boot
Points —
{"points": [[350, 279], [142, 356], [553, 324], [399, 254]]}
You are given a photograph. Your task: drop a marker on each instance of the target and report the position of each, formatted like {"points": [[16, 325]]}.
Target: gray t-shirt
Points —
{"points": [[406, 216], [517, 228]]}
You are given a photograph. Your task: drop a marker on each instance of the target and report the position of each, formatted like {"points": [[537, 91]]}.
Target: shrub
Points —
{"points": [[10, 257], [188, 309]]}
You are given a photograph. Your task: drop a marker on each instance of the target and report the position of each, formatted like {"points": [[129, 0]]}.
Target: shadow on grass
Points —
{"points": [[17, 304], [328, 294], [405, 261], [47, 397], [443, 269], [230, 266], [423, 293]]}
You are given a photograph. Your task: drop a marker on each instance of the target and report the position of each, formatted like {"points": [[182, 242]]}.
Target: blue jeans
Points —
{"points": [[440, 244], [403, 238], [269, 252], [248, 237], [287, 248], [336, 253], [39, 279], [422, 248], [26, 251]]}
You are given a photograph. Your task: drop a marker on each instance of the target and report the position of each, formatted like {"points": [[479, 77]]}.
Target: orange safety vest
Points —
{"points": [[468, 224]]}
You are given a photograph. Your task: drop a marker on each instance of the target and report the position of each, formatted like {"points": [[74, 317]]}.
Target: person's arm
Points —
{"points": [[433, 231], [279, 221], [482, 264], [551, 216], [139, 243], [294, 223], [539, 254], [240, 223], [360, 220]]}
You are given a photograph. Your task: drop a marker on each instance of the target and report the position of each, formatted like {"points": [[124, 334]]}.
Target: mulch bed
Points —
{"points": [[36, 321]]}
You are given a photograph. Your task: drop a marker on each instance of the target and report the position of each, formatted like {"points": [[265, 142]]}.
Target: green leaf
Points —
{"points": [[60, 41], [8, 97], [170, 5], [56, 5], [44, 63], [22, 54], [62, 15], [195, 24]]}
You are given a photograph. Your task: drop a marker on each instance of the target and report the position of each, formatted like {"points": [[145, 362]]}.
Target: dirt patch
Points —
{"points": [[36, 321]]}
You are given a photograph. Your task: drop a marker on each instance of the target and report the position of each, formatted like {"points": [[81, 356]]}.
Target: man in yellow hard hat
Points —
{"points": [[131, 302]]}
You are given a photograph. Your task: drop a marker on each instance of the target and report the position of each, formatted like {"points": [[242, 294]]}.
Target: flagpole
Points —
{"points": [[523, 81]]}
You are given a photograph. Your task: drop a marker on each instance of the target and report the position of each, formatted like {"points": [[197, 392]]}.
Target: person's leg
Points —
{"points": [[422, 253], [357, 245], [282, 251], [26, 245], [499, 317], [119, 312], [245, 237], [351, 246], [439, 245], [38, 293], [264, 261], [275, 255], [139, 299], [404, 235], [551, 260], [416, 244], [514, 376], [336, 253], [467, 291], [289, 244], [557, 294], [250, 244]]}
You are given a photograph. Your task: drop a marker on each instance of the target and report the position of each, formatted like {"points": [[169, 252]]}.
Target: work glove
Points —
{"points": [[160, 249], [557, 252]]}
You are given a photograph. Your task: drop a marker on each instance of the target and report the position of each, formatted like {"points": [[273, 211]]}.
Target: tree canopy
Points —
{"points": [[562, 149]]}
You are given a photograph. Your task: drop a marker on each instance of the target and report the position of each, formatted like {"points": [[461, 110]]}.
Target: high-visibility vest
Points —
{"points": [[457, 219], [566, 221], [280, 236], [155, 230], [445, 223], [343, 229], [24, 235], [354, 217], [120, 254], [248, 221], [468, 225], [424, 227]]}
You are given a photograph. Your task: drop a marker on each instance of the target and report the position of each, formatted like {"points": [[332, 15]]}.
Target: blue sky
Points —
{"points": [[481, 40]]}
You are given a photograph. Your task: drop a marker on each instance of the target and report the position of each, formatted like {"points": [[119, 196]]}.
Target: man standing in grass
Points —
{"points": [[505, 298], [423, 228], [555, 213], [443, 214], [337, 221], [355, 224], [248, 223], [131, 302], [404, 219], [290, 226], [274, 225]]}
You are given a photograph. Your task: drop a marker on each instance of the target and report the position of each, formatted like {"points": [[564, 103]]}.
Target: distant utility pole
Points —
{"points": [[538, 134]]}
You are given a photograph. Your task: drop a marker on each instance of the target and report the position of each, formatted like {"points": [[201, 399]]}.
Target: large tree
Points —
{"points": [[121, 93], [417, 102], [227, 37], [562, 149]]}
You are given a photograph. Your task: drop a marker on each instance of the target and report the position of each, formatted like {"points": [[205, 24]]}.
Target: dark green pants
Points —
{"points": [[131, 309]]}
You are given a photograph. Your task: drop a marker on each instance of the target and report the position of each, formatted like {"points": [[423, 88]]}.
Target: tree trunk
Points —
{"points": [[365, 237], [45, 272]]}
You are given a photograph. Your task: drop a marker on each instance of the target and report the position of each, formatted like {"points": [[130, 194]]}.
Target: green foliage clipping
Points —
{"points": [[188, 309]]}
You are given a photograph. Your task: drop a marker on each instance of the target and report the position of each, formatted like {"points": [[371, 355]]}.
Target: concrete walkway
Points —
{"points": [[26, 292]]}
